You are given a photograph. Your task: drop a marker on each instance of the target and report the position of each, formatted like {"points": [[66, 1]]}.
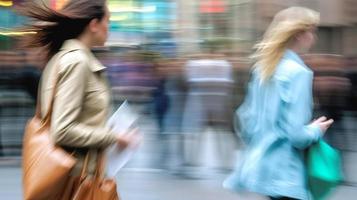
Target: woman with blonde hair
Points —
{"points": [[274, 117]]}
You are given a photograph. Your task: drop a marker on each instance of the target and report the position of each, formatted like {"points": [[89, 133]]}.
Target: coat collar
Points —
{"points": [[290, 54], [74, 44]]}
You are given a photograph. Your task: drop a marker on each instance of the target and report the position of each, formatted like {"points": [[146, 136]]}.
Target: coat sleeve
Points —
{"points": [[296, 94], [245, 115], [65, 128]]}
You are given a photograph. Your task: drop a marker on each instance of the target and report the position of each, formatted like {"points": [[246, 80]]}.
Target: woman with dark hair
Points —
{"points": [[82, 94]]}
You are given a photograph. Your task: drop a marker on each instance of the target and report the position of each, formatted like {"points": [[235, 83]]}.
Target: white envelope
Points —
{"points": [[123, 119]]}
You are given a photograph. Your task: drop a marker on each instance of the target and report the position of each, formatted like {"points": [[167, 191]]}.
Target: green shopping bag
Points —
{"points": [[323, 169]]}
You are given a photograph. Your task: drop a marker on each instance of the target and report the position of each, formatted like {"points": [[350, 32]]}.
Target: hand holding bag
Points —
{"points": [[45, 166]]}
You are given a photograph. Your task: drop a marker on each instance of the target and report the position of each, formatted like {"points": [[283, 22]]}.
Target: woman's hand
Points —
{"points": [[323, 123], [130, 138]]}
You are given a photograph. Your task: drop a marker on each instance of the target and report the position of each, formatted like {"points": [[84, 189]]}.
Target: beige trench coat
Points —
{"points": [[81, 103]]}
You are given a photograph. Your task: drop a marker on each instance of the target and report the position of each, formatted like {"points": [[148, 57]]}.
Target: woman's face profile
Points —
{"points": [[307, 39], [101, 30]]}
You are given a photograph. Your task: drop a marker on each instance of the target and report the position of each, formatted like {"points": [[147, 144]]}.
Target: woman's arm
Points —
{"points": [[296, 94], [65, 129]]}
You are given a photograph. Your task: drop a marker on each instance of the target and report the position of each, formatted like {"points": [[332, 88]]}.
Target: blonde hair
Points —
{"points": [[285, 25]]}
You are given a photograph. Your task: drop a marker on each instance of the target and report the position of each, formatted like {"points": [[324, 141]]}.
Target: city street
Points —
{"points": [[212, 87]]}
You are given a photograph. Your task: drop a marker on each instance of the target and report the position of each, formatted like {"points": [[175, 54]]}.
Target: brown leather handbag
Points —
{"points": [[45, 166], [95, 187]]}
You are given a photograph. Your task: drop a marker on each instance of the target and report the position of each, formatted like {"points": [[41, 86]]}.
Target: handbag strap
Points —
{"points": [[99, 171], [84, 167]]}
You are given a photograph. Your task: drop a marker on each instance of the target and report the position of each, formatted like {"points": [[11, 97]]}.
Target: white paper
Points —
{"points": [[120, 122]]}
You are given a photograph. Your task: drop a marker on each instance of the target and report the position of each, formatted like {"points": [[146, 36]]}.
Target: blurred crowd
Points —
{"points": [[183, 94]]}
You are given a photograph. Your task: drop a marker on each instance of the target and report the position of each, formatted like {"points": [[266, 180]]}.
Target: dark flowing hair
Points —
{"points": [[53, 27]]}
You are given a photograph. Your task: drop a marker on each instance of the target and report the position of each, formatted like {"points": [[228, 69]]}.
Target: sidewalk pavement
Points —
{"points": [[149, 184], [141, 180]]}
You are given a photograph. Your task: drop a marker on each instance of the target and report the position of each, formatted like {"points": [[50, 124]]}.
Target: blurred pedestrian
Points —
{"points": [[82, 95], [274, 117], [172, 150], [209, 79], [161, 105]]}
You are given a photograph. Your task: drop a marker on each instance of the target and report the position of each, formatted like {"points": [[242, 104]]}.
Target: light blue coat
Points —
{"points": [[273, 122]]}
